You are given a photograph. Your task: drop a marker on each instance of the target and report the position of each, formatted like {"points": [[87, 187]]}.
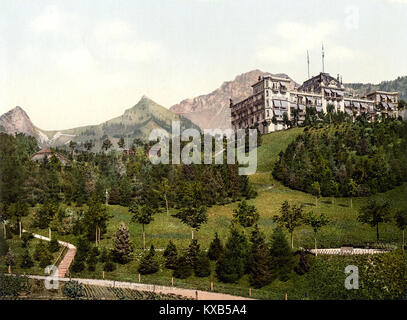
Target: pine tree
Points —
{"points": [[123, 248], [245, 214], [231, 265], [39, 249], [9, 258], [183, 268], [282, 260], [148, 263], [193, 251], [26, 262], [171, 255], [259, 261], [202, 265], [215, 248], [46, 258]]}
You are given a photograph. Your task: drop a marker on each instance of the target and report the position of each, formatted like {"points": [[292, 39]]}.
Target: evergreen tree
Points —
{"points": [[282, 260], [39, 250], [123, 249], [215, 248], [9, 258], [95, 219], [193, 251], [46, 258], [45, 214], [231, 265], [202, 265], [171, 255], [259, 261], [245, 214], [26, 262], [183, 268], [148, 263]]}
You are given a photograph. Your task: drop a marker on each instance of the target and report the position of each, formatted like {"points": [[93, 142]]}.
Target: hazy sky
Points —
{"points": [[72, 63]]}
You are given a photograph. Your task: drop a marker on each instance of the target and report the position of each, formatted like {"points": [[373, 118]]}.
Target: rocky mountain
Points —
{"points": [[211, 111], [399, 85], [136, 122]]}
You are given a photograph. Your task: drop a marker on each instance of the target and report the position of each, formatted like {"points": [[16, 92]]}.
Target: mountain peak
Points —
{"points": [[17, 120]]}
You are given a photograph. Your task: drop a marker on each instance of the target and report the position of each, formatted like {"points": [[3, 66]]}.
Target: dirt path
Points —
{"points": [[188, 293]]}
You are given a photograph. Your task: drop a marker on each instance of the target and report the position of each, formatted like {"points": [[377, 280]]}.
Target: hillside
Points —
{"points": [[211, 111], [399, 84], [136, 122]]}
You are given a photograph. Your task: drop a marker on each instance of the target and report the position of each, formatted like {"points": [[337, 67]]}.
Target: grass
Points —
{"points": [[342, 229]]}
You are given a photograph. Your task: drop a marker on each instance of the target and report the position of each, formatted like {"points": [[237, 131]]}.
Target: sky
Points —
{"points": [[73, 63]]}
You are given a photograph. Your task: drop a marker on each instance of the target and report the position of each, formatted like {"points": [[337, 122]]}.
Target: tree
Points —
{"points": [[53, 245], [46, 258], [39, 249], [193, 251], [245, 214], [282, 259], [163, 191], [107, 144], [259, 262], [142, 214], [171, 255], [9, 258], [374, 213], [18, 210], [88, 145], [316, 191], [316, 222], [148, 264], [286, 121], [202, 265], [401, 222], [183, 268], [45, 214], [231, 265], [120, 143], [215, 248], [26, 262], [123, 249], [193, 217], [290, 218], [352, 190], [72, 146], [95, 218]]}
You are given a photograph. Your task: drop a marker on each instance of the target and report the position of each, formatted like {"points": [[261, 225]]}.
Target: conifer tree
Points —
{"points": [[53, 245], [46, 258], [202, 266], [231, 265], [245, 214], [183, 268], [148, 263], [171, 255], [123, 248], [193, 251], [215, 248], [282, 260], [259, 261], [9, 258]]}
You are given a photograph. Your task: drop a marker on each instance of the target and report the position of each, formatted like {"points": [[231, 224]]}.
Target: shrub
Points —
{"points": [[26, 237], [171, 255], [109, 266], [45, 259], [78, 265], [53, 245], [73, 289], [27, 262], [12, 285]]}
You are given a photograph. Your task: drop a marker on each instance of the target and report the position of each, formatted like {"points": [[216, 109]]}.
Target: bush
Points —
{"points": [[26, 237], [171, 256], [183, 268], [109, 266], [78, 265], [39, 250], [202, 265], [53, 245], [13, 285], [45, 259], [27, 262], [73, 289]]}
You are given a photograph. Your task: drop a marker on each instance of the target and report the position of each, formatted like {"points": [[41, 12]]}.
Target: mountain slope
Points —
{"points": [[211, 111], [399, 84], [136, 122]]}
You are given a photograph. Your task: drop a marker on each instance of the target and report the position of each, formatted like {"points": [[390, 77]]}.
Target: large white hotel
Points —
{"points": [[273, 96]]}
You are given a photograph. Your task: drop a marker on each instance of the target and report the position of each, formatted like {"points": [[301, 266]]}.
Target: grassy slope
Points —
{"points": [[343, 228]]}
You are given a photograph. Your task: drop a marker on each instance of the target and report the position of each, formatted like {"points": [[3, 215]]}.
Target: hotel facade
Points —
{"points": [[273, 96]]}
